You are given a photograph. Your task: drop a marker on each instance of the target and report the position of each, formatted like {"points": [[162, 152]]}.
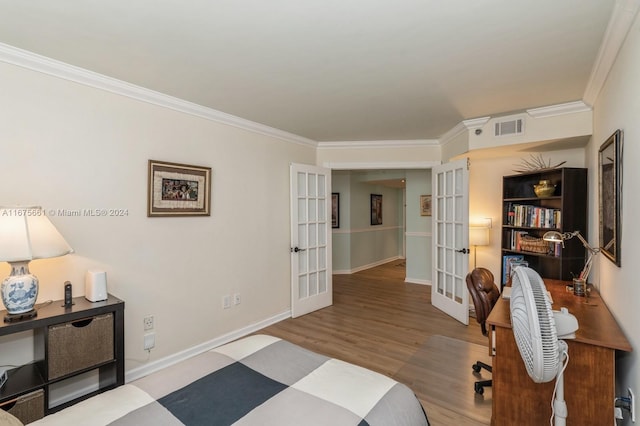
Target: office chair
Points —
{"points": [[485, 294]]}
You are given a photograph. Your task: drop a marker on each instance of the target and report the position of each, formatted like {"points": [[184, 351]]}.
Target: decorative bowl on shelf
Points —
{"points": [[544, 188]]}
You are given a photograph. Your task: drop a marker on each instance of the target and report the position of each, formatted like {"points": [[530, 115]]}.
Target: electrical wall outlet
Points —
{"points": [[148, 322], [226, 302], [236, 299], [149, 341]]}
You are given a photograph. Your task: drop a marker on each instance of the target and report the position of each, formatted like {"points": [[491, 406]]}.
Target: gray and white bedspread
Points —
{"points": [[258, 380]]}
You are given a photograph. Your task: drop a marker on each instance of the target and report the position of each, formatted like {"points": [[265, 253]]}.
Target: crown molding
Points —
{"points": [[350, 165], [559, 109], [624, 12], [414, 143], [25, 59], [461, 127]]}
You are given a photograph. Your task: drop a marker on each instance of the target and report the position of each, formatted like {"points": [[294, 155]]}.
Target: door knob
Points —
{"points": [[463, 251], [296, 249]]}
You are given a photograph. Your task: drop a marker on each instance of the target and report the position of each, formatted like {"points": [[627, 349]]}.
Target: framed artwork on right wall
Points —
{"points": [[610, 195]]}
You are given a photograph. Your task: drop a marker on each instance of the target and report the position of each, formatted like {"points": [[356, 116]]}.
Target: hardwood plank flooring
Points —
{"points": [[382, 323]]}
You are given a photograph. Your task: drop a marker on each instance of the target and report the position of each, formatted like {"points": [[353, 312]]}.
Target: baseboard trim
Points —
{"points": [[417, 281], [365, 267], [147, 369]]}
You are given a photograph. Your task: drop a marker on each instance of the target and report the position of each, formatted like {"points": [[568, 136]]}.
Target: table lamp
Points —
{"points": [[559, 238], [478, 236], [25, 234]]}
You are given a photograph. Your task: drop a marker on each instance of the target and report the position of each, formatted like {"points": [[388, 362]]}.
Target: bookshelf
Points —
{"points": [[526, 217]]}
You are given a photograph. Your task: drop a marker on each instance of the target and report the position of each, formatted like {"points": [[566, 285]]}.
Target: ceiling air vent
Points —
{"points": [[509, 127]]}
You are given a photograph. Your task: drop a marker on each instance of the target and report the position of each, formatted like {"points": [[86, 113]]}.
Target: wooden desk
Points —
{"points": [[589, 380]]}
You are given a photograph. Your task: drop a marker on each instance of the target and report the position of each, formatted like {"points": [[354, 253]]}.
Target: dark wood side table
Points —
{"points": [[67, 342]]}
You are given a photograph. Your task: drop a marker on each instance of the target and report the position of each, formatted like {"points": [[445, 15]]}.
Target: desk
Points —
{"points": [[589, 380]]}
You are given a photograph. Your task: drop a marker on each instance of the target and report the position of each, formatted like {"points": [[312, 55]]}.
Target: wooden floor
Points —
{"points": [[380, 322]]}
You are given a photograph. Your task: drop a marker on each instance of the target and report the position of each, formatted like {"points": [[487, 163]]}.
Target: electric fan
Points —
{"points": [[538, 330]]}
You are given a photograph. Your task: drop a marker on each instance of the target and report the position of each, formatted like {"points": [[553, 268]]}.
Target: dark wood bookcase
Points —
{"points": [[568, 204]]}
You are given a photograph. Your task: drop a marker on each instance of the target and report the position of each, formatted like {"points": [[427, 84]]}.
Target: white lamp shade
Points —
{"points": [[478, 236], [26, 234]]}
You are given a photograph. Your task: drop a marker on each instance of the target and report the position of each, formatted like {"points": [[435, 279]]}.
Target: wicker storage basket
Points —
{"points": [[535, 245], [27, 408], [81, 344]]}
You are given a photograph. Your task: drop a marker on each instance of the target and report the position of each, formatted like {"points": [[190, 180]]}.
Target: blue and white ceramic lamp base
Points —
{"points": [[20, 289]]}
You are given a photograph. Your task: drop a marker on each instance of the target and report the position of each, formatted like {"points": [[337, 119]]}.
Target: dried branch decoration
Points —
{"points": [[536, 162]]}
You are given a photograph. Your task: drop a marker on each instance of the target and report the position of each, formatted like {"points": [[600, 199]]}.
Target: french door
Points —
{"points": [[450, 189], [311, 280]]}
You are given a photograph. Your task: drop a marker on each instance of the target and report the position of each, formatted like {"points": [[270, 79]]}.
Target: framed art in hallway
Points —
{"points": [[178, 190], [425, 205], [376, 209]]}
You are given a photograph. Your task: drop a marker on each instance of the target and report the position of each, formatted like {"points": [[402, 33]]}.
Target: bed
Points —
{"points": [[258, 380]]}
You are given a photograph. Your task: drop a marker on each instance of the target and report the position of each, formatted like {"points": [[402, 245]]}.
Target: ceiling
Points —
{"points": [[347, 70]]}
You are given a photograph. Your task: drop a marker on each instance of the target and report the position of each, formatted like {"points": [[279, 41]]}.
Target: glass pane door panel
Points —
{"points": [[322, 234], [313, 209], [322, 183], [302, 184], [448, 209], [449, 183], [302, 210], [322, 210], [302, 236], [313, 237], [458, 209], [440, 231], [303, 287], [313, 284], [312, 185], [322, 258], [313, 260], [302, 263], [322, 281], [458, 182]]}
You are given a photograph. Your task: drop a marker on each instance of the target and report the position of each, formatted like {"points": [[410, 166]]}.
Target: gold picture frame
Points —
{"points": [[178, 190], [425, 205]]}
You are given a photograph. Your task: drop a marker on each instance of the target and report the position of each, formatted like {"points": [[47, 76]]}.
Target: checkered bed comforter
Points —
{"points": [[258, 380]]}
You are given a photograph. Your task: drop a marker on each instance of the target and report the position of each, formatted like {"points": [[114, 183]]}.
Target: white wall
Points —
{"points": [[618, 107], [69, 146]]}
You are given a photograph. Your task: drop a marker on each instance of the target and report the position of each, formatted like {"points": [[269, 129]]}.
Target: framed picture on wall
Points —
{"points": [[376, 209], [335, 210], [425, 205], [610, 165], [178, 190]]}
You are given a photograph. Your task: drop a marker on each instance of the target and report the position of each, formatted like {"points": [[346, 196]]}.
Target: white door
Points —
{"points": [[311, 281], [450, 189]]}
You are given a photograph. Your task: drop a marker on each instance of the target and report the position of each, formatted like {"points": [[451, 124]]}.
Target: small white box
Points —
{"points": [[95, 285]]}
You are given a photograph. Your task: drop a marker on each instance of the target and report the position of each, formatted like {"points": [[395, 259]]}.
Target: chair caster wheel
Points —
{"points": [[479, 389], [476, 368]]}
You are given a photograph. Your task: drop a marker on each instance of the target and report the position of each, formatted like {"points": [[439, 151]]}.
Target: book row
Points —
{"points": [[533, 216]]}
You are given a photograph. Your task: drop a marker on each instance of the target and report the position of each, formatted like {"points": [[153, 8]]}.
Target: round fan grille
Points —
{"points": [[533, 325]]}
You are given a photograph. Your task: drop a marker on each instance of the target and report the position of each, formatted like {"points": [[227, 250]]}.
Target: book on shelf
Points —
{"points": [[507, 261]]}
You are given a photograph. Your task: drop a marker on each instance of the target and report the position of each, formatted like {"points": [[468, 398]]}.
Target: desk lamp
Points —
{"points": [[25, 234], [559, 238]]}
